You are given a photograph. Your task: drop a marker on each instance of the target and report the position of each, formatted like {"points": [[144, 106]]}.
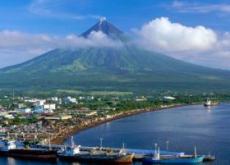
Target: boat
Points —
{"points": [[10, 148], [74, 154], [172, 159], [209, 158], [209, 102]]}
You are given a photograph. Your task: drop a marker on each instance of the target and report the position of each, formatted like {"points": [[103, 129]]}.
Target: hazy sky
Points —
{"points": [[195, 31]]}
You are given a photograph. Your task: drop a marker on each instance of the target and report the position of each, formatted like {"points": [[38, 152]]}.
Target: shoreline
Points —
{"points": [[64, 134]]}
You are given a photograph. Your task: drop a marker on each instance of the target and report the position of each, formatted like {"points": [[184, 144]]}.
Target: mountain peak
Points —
{"points": [[104, 26], [102, 19]]}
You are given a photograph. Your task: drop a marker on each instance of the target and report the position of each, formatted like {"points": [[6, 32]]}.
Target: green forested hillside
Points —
{"points": [[125, 68]]}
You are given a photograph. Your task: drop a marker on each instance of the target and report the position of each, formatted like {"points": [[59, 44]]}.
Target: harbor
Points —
{"points": [[139, 147], [98, 154]]}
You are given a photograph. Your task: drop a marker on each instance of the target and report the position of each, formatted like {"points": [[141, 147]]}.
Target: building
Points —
{"points": [[25, 110], [50, 107], [63, 117], [70, 100], [38, 109], [142, 98], [54, 99], [21, 105], [8, 116], [92, 113], [36, 101], [168, 98]]}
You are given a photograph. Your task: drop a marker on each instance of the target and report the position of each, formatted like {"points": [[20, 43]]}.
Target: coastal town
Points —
{"points": [[53, 119], [38, 126]]}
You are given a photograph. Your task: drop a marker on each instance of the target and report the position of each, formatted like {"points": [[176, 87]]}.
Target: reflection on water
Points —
{"points": [[11, 161]]}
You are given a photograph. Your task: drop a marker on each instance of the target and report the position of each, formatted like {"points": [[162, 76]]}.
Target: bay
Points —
{"points": [[183, 127]]}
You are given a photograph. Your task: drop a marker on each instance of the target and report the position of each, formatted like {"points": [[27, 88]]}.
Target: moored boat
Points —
{"points": [[209, 102], [10, 149], [209, 158], [74, 154], [174, 160], [158, 159], [33, 154]]}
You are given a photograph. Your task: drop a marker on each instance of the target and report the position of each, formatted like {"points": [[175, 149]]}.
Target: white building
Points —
{"points": [[51, 107], [8, 116], [37, 102], [169, 98], [70, 99], [55, 99], [25, 110], [21, 105], [92, 113], [40, 102], [142, 98]]}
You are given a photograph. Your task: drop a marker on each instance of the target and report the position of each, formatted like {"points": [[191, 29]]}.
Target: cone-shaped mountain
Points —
{"points": [[104, 26], [112, 68]]}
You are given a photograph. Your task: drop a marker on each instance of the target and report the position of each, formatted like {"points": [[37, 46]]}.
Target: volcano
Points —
{"points": [[105, 27], [127, 68]]}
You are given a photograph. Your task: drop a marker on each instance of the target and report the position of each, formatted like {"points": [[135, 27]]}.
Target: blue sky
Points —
{"points": [[75, 16], [40, 24]]}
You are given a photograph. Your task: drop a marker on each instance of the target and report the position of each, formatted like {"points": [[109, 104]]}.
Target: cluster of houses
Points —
{"points": [[36, 106], [50, 105]]}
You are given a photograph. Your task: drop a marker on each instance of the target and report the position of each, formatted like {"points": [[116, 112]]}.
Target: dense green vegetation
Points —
{"points": [[127, 69], [19, 120]]}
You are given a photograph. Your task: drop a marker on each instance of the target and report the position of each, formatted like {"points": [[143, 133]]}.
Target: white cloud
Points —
{"points": [[199, 45], [16, 47], [188, 7], [161, 34], [95, 39]]}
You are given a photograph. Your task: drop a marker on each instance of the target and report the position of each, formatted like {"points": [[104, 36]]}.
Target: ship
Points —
{"points": [[209, 102], [15, 149], [73, 153], [172, 159]]}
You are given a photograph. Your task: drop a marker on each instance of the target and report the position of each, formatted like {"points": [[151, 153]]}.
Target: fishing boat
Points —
{"points": [[209, 103], [172, 159], [74, 154], [11, 148]]}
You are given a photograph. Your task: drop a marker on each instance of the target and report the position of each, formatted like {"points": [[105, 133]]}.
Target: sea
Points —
{"points": [[177, 129]]}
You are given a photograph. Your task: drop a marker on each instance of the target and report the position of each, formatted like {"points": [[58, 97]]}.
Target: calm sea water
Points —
{"points": [[183, 127]]}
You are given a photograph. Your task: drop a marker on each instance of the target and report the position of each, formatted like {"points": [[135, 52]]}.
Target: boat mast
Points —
{"points": [[101, 141], [195, 152], [123, 145], [155, 150], [167, 145], [72, 142], [158, 154], [49, 143]]}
